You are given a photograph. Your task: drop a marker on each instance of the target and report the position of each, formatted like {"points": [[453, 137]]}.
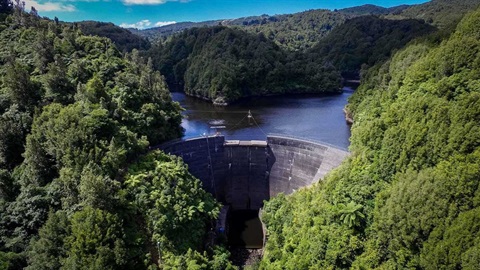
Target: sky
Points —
{"points": [[150, 13]]}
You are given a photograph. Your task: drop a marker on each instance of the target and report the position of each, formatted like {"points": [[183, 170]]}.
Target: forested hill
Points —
{"points": [[76, 192], [409, 195], [301, 31], [365, 41], [222, 64], [125, 40], [373, 10], [297, 31], [440, 13]]}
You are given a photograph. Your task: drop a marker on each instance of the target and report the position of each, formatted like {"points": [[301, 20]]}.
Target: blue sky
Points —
{"points": [[150, 13]]}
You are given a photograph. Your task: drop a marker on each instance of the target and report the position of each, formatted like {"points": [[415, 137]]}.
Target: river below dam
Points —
{"points": [[315, 117]]}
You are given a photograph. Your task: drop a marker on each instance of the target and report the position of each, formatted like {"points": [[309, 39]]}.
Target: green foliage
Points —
{"points": [[95, 242], [19, 88], [367, 40], [73, 113], [350, 214], [123, 38], [373, 10], [412, 178], [14, 127], [10, 261], [295, 32], [223, 64], [441, 13], [194, 260], [172, 202], [49, 250]]}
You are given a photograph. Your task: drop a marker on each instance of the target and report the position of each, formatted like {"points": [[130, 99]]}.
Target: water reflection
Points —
{"points": [[314, 117]]}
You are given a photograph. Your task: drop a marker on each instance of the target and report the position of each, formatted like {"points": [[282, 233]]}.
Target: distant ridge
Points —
{"points": [[373, 10]]}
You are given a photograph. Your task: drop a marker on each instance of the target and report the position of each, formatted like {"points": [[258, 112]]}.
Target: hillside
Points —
{"points": [[373, 10], [297, 31], [223, 64], [76, 188], [81, 186], [365, 41], [408, 197], [124, 39], [301, 31], [440, 13], [162, 32]]}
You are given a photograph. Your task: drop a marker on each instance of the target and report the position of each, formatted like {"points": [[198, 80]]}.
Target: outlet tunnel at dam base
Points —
{"points": [[242, 174]]}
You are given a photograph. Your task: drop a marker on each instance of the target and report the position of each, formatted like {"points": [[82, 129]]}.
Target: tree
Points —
{"points": [[171, 201], [6, 6], [20, 88], [96, 241], [14, 126], [350, 214], [48, 251]]}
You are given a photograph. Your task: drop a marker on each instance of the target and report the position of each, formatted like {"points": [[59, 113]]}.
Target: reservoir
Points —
{"points": [[313, 117]]}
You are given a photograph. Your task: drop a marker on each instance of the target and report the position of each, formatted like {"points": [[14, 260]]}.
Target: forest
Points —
{"points": [[408, 197], [224, 64], [83, 104], [77, 189]]}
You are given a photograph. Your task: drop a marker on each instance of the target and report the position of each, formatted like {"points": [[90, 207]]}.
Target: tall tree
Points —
{"points": [[6, 6]]}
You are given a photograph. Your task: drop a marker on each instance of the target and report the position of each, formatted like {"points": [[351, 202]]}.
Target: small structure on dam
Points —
{"points": [[242, 174]]}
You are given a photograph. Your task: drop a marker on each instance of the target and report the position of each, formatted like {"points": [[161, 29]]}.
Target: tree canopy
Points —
{"points": [[408, 195], [75, 114], [224, 64]]}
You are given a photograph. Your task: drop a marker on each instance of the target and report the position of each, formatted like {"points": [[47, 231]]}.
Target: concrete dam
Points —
{"points": [[242, 174]]}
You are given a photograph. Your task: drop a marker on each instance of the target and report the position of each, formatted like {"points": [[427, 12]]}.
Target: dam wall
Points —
{"points": [[243, 174]]}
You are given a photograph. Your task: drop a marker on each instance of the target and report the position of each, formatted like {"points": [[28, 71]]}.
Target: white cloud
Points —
{"points": [[159, 24], [48, 6], [144, 24], [150, 2], [144, 2], [139, 25]]}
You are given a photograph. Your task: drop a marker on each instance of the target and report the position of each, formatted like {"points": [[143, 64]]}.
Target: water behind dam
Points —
{"points": [[314, 117]]}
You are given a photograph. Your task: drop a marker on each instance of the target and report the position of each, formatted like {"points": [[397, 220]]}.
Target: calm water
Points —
{"points": [[319, 118]]}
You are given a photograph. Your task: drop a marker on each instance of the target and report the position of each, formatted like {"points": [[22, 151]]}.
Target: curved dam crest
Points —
{"points": [[242, 174]]}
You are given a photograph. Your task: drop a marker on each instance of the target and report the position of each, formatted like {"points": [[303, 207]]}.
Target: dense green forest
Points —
{"points": [[122, 38], [81, 108], [76, 189], [408, 197], [368, 9], [365, 41], [440, 13], [224, 64], [301, 31], [295, 32]]}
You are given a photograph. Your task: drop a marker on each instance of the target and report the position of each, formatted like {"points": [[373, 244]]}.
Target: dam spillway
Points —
{"points": [[242, 174]]}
